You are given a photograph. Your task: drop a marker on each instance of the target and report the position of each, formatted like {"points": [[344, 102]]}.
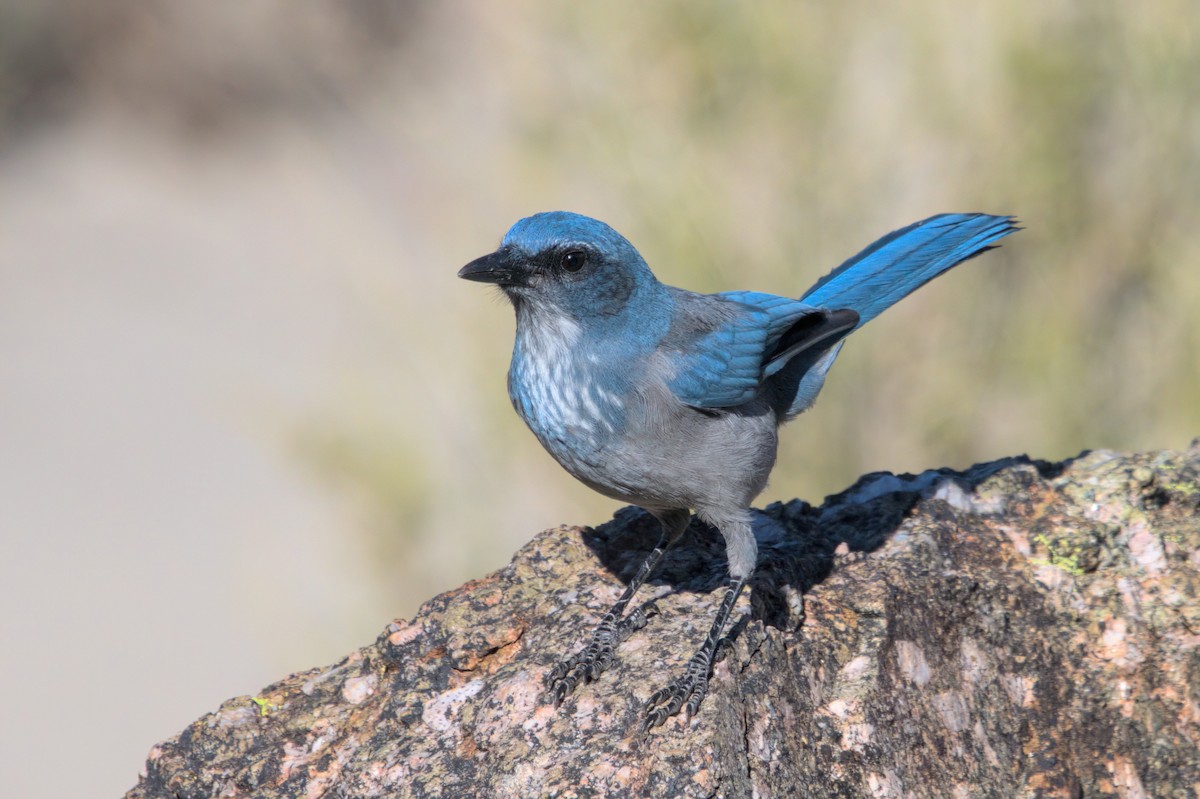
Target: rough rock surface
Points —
{"points": [[1018, 629]]}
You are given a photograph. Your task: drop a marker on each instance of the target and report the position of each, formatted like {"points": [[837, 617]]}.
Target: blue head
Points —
{"points": [[568, 265]]}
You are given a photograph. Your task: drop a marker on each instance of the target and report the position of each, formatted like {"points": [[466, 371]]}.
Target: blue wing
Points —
{"points": [[723, 346]]}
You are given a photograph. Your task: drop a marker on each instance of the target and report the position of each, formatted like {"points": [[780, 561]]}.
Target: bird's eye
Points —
{"points": [[573, 261]]}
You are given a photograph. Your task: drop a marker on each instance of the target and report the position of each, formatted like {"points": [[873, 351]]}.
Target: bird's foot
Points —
{"points": [[590, 662], [687, 691]]}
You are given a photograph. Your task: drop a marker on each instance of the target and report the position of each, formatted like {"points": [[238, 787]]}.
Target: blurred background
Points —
{"points": [[248, 415]]}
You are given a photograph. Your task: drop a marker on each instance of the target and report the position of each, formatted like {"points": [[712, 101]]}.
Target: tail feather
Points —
{"points": [[878, 277], [904, 260]]}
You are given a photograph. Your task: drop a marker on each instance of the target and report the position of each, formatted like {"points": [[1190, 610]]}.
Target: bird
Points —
{"points": [[671, 400]]}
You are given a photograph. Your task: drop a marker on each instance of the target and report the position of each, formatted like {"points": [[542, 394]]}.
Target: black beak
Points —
{"points": [[501, 267]]}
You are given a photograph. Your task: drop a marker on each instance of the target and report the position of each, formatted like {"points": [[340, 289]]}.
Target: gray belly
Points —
{"points": [[645, 447], [671, 456]]}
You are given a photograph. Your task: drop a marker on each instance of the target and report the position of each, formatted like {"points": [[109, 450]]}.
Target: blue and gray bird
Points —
{"points": [[672, 400]]}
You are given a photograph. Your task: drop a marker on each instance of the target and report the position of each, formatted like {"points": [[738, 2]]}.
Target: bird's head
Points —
{"points": [[568, 264]]}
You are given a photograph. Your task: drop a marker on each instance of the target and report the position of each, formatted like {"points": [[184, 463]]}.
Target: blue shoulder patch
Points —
{"points": [[723, 364]]}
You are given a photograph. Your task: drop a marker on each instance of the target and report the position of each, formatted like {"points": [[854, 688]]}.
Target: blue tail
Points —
{"points": [[877, 278], [903, 261]]}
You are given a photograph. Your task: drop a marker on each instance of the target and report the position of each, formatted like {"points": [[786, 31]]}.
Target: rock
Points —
{"points": [[1018, 629]]}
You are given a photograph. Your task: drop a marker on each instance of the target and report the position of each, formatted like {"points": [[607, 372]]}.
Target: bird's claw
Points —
{"points": [[636, 620], [724, 647], [589, 663], [686, 692], [582, 667]]}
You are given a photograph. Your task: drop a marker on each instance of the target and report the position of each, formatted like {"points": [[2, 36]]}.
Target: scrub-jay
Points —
{"points": [[671, 400]]}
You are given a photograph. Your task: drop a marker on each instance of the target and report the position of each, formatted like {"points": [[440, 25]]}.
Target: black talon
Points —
{"points": [[638, 619]]}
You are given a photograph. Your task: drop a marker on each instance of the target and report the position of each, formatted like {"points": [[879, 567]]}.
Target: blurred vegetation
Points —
{"points": [[738, 146], [760, 148]]}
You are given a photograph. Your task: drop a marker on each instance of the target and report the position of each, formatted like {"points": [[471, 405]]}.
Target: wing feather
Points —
{"points": [[723, 346]]}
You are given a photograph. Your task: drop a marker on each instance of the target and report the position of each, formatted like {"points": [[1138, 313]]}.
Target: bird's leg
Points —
{"points": [[692, 686], [689, 689], [590, 662]]}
